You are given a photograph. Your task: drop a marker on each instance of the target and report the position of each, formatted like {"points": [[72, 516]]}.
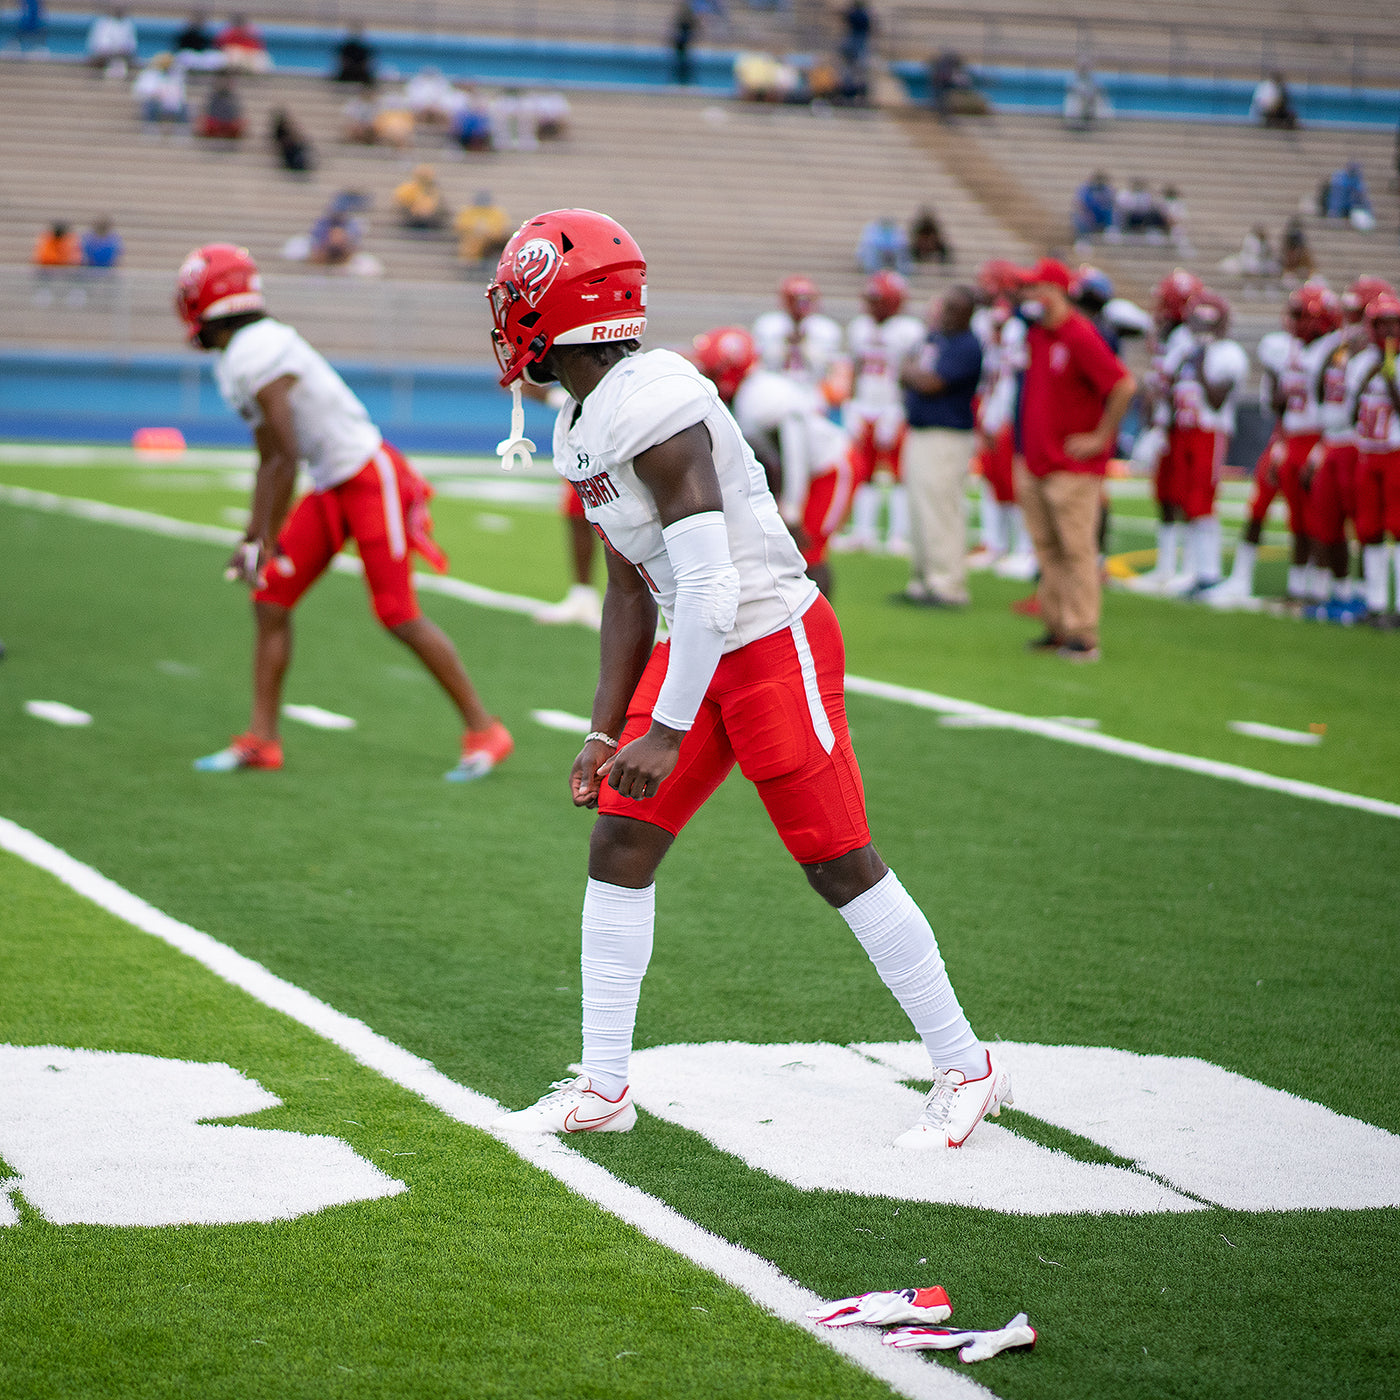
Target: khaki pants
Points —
{"points": [[935, 466], [1062, 515]]}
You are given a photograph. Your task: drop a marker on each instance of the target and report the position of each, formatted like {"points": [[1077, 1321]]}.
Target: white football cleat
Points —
{"points": [[581, 604], [572, 1106], [956, 1105], [1230, 595], [1021, 567]]}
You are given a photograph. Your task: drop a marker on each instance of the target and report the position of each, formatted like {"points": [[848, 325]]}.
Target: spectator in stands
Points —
{"points": [[926, 240], [57, 246], [1086, 103], [513, 122], [552, 114], [1272, 104], [420, 201], [1295, 256], [763, 77], [223, 113], [292, 144], [357, 117], [243, 47], [431, 97], [951, 89], [30, 25], [102, 246], [337, 234], [483, 230], [195, 47], [1073, 398], [883, 246], [354, 59], [859, 24], [471, 127], [683, 27], [394, 121], [1256, 264], [1092, 211], [111, 42], [1136, 210], [1348, 198], [159, 91], [1174, 210]]}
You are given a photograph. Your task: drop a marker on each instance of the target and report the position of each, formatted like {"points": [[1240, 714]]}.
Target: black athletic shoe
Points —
{"points": [[1047, 641]]}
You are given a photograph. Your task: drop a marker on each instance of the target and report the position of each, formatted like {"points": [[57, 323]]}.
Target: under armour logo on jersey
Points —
{"points": [[583, 461], [537, 264]]}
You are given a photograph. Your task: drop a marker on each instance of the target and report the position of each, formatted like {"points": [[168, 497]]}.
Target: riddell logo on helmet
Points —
{"points": [[619, 330]]}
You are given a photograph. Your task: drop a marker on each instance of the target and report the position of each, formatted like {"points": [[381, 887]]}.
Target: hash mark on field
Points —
{"points": [[56, 712], [1277, 733], [318, 718], [561, 720]]}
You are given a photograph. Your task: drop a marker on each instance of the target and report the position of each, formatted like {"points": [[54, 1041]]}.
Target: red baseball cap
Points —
{"points": [[1053, 271]]}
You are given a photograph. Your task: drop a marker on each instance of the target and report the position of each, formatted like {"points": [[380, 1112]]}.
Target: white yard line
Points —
{"points": [[56, 712], [761, 1280], [899, 694]]}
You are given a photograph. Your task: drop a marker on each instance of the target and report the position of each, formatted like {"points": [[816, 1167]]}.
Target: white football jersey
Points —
{"points": [[1294, 367], [643, 400], [806, 350], [809, 443], [1333, 352], [1178, 344], [1377, 423], [877, 349], [1189, 366], [1004, 359], [335, 437]]}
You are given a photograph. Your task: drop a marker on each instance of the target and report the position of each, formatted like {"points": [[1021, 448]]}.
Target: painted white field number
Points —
{"points": [[822, 1117], [99, 1138]]}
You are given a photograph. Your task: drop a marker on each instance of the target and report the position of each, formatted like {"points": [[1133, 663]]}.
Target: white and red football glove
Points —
{"points": [[971, 1346], [882, 1309]]}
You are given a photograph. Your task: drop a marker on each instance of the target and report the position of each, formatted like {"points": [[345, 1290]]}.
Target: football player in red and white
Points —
{"points": [[752, 672], [1288, 386], [300, 410], [877, 342], [1204, 375], [725, 356], [1006, 543], [798, 339], [1373, 395], [1173, 337]]}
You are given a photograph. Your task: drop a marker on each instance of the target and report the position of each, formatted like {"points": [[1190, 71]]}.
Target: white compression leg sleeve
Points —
{"points": [[898, 533], [617, 936], [896, 936]]}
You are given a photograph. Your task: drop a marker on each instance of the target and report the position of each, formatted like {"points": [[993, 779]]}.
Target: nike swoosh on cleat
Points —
{"points": [[574, 1124]]}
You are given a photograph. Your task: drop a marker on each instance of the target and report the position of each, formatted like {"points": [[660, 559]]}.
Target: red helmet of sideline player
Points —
{"points": [[885, 294], [1383, 319], [1313, 311], [568, 277], [800, 296], [217, 280], [1173, 292], [1361, 294], [999, 277], [1208, 313], [724, 355]]}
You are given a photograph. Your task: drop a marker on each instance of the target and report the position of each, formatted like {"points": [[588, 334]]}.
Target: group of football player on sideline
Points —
{"points": [[1329, 381]]}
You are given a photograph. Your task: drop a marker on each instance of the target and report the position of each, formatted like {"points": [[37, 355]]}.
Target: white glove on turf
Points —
{"points": [[881, 1309], [976, 1346]]}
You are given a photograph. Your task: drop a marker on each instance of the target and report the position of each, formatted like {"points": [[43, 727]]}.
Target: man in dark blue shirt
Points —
{"points": [[939, 382]]}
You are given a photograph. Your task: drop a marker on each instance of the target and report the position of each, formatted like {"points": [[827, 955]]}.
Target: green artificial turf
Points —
{"points": [[1079, 899], [487, 1278]]}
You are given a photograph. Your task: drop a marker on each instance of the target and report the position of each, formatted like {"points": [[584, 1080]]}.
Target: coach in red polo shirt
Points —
{"points": [[1073, 397]]}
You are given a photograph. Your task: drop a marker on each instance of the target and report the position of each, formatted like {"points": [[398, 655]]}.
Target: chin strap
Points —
{"points": [[517, 447]]}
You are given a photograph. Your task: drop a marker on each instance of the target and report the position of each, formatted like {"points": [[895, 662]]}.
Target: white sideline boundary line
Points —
{"points": [[759, 1279], [882, 690]]}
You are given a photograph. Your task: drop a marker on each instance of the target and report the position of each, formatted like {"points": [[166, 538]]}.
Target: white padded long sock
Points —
{"points": [[865, 507], [617, 935], [895, 934], [1243, 571], [899, 514], [992, 520], [1375, 566]]}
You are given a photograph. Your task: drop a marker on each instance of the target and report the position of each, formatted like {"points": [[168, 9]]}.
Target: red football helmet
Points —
{"points": [[1208, 313], [885, 293], [1361, 294], [568, 277], [800, 296], [1313, 311], [1385, 306], [1173, 292], [724, 355], [1000, 277], [215, 281]]}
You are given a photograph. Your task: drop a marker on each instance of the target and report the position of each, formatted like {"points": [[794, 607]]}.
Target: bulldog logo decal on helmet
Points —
{"points": [[537, 264]]}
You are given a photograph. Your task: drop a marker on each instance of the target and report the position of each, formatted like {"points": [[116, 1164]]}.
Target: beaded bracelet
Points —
{"points": [[601, 737]]}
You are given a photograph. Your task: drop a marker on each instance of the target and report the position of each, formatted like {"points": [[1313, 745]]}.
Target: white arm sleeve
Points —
{"points": [[707, 600]]}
